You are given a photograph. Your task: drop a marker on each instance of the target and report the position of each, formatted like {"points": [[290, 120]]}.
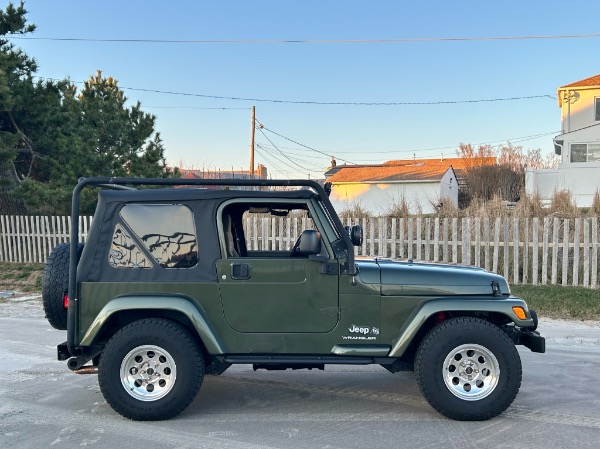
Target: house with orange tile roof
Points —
{"points": [[578, 145], [421, 183]]}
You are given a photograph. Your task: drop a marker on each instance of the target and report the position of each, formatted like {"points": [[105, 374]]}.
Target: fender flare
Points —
{"points": [[416, 320], [177, 303]]}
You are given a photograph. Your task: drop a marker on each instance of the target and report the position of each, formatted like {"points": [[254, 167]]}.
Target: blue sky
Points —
{"points": [[327, 72]]}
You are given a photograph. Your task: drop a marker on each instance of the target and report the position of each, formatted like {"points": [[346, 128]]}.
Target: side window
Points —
{"points": [[270, 229], [124, 253], [166, 231], [277, 231]]}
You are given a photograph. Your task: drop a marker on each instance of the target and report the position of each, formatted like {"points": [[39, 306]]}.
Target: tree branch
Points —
{"points": [[30, 147]]}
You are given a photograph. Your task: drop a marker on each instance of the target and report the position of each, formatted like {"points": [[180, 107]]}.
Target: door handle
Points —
{"points": [[240, 271]]}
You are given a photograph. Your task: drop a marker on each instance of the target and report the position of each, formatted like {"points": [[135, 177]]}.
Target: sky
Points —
{"points": [[285, 80]]}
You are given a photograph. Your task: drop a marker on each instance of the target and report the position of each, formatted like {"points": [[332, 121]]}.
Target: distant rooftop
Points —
{"points": [[588, 82], [405, 170]]}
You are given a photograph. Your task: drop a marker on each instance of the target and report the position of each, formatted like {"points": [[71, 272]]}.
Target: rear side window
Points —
{"points": [[166, 231]]}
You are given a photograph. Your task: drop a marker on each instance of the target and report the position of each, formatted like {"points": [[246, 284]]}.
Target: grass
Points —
{"points": [[24, 277], [555, 301]]}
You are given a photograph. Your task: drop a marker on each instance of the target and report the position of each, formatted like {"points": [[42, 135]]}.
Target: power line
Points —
{"points": [[282, 153], [340, 103], [451, 147], [327, 103], [575, 130], [192, 107], [298, 143], [306, 41], [294, 169]]}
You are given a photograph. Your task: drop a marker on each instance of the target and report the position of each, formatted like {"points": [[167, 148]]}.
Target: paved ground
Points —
{"points": [[43, 405]]}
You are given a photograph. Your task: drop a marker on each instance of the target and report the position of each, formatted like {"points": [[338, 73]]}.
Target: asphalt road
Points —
{"points": [[42, 404]]}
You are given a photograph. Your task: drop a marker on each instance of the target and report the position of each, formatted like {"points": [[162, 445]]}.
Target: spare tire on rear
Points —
{"points": [[55, 285]]}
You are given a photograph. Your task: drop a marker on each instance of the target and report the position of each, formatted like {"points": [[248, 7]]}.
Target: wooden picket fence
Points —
{"points": [[524, 250], [31, 239]]}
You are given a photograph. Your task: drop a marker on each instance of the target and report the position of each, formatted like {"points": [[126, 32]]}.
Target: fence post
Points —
{"points": [[401, 254], [445, 241], [565, 252], [428, 239], [545, 251], [576, 252], [455, 240], [554, 251], [409, 223], [465, 241], [382, 236], [594, 282], [516, 250], [488, 239], [586, 252], [419, 238], [506, 247], [436, 239], [526, 252], [394, 238], [535, 250], [477, 242]]}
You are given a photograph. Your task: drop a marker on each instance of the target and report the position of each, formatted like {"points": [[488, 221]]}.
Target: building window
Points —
{"points": [[597, 109], [585, 152]]}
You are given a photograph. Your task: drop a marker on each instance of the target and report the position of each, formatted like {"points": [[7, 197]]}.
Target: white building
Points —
{"points": [[578, 144], [420, 184]]}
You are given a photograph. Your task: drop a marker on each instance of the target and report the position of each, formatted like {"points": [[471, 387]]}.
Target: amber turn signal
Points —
{"points": [[520, 312]]}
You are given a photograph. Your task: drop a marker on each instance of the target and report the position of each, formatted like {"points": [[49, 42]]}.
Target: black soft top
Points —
{"points": [[187, 194], [93, 266]]}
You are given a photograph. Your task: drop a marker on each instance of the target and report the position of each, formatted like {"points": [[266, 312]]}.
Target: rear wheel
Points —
{"points": [[468, 369], [151, 369]]}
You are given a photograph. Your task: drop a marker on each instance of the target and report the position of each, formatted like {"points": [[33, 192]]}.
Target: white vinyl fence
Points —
{"points": [[525, 251]]}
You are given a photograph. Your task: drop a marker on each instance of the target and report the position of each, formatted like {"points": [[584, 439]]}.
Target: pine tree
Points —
{"points": [[51, 134]]}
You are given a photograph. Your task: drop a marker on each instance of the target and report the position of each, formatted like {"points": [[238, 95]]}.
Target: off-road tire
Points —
{"points": [[486, 348], [55, 284], [178, 352]]}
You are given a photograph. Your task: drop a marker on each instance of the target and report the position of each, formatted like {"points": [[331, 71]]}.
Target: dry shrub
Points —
{"points": [[595, 208], [492, 208], [354, 210], [530, 206], [563, 206], [447, 209], [488, 181], [398, 208]]}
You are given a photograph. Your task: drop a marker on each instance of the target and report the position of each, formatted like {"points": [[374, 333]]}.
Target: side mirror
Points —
{"points": [[308, 244], [356, 235]]}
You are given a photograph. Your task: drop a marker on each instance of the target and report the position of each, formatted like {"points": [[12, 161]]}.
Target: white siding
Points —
{"points": [[380, 198]]}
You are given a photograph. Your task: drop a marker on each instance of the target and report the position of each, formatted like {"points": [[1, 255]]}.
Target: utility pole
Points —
{"points": [[252, 145]]}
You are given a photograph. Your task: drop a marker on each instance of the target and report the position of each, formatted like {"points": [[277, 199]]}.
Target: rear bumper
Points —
{"points": [[62, 351]]}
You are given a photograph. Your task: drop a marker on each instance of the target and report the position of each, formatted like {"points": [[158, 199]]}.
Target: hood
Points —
{"points": [[407, 278]]}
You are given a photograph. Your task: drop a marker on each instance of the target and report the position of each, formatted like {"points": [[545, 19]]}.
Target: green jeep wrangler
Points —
{"points": [[168, 288]]}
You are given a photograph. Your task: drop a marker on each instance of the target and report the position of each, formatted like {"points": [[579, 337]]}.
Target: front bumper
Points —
{"points": [[532, 340], [529, 338]]}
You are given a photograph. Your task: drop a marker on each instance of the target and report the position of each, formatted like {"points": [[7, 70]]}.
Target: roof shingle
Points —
{"points": [[588, 82], [383, 173], [407, 170]]}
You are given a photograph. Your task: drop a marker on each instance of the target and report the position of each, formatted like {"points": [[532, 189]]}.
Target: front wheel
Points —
{"points": [[151, 369], [468, 369]]}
